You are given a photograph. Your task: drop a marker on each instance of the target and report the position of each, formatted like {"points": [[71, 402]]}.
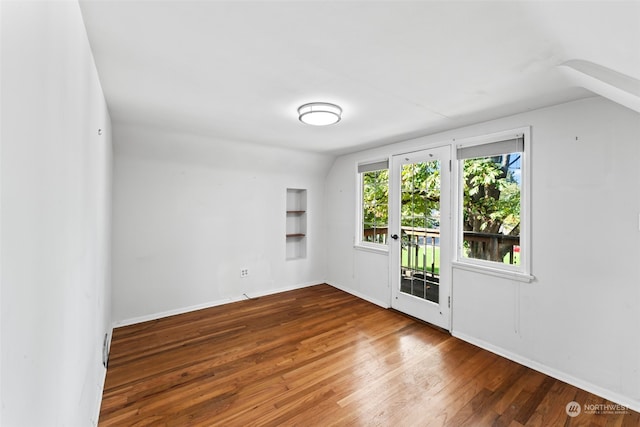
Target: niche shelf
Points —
{"points": [[296, 232]]}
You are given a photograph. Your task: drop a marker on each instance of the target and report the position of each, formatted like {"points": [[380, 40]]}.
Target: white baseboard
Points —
{"points": [[288, 288], [182, 310], [562, 376], [360, 295]]}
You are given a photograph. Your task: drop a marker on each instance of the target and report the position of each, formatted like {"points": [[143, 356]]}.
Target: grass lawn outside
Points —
{"points": [[421, 258]]}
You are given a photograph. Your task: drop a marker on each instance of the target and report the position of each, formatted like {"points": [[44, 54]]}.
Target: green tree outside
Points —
{"points": [[491, 203], [375, 205]]}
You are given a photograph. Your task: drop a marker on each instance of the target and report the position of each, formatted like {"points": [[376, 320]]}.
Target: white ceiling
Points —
{"points": [[238, 70]]}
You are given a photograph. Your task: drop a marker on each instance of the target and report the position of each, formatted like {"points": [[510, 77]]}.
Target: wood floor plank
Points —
{"points": [[321, 357]]}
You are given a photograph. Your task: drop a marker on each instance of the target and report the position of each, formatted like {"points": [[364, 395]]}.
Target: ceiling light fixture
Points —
{"points": [[319, 113]]}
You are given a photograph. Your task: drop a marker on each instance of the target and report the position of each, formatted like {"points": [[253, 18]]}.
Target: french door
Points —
{"points": [[420, 228]]}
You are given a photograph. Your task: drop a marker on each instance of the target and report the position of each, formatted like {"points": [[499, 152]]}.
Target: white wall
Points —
{"points": [[579, 320], [55, 213], [190, 212]]}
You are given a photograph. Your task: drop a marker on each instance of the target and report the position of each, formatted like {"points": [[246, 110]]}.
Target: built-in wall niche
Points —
{"points": [[296, 233]]}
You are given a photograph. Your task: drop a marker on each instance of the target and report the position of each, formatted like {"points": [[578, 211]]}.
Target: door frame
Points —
{"points": [[439, 314]]}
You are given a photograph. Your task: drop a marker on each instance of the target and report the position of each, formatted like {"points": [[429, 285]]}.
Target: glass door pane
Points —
{"points": [[420, 230]]}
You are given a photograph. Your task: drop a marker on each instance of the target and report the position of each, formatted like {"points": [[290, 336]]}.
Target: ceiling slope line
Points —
{"points": [[617, 87]]}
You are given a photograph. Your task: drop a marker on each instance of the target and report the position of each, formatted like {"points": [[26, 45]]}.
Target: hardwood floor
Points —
{"points": [[321, 357]]}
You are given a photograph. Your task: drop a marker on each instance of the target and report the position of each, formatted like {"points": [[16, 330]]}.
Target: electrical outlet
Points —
{"points": [[244, 272]]}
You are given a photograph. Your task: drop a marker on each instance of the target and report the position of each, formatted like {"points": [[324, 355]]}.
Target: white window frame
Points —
{"points": [[358, 242], [520, 272]]}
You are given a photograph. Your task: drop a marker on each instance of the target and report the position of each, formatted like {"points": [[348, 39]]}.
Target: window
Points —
{"points": [[374, 203], [492, 218]]}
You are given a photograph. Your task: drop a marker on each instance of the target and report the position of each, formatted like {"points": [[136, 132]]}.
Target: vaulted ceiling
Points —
{"points": [[238, 70]]}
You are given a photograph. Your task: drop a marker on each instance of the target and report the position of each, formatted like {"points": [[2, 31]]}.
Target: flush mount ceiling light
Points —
{"points": [[319, 113]]}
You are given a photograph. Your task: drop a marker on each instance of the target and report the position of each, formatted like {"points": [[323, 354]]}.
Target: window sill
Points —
{"points": [[505, 274], [378, 249]]}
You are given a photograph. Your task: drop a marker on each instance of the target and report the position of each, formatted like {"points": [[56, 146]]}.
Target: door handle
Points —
{"points": [[394, 236]]}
